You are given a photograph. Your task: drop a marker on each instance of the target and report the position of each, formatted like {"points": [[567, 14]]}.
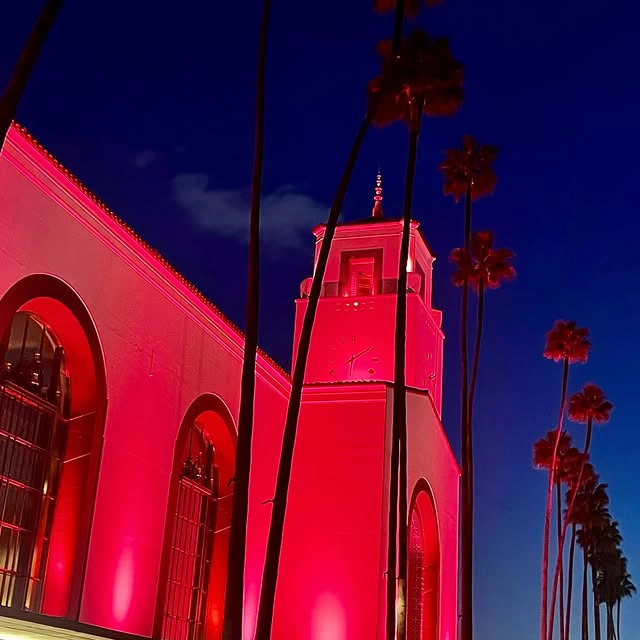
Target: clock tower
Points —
{"points": [[353, 335], [334, 555]]}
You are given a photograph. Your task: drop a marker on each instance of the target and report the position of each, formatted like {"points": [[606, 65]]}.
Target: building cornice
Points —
{"points": [[41, 168]]}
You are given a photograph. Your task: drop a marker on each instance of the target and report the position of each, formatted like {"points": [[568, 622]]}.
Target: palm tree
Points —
{"points": [[279, 502], [22, 71], [595, 517], [626, 590], [564, 466], [582, 538], [423, 79], [570, 344], [234, 596], [411, 9], [577, 517], [613, 569], [605, 547], [588, 405], [482, 268], [468, 172], [566, 475]]}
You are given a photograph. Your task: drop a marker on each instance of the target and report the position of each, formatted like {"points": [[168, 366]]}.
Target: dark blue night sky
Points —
{"points": [[151, 105]]}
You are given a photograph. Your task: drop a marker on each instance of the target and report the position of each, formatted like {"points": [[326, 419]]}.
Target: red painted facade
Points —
{"points": [[140, 384]]}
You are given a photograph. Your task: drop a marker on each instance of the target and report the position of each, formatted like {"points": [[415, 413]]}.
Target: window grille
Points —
{"points": [[32, 438], [360, 273], [192, 542], [361, 276], [415, 605]]}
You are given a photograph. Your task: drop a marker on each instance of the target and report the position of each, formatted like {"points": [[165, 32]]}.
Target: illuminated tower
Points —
{"points": [[353, 332], [332, 578]]}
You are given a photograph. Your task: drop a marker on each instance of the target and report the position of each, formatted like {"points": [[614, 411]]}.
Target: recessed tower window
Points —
{"points": [[360, 273], [361, 276]]}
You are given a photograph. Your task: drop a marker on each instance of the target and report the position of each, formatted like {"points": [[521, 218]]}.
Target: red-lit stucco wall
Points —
{"points": [[163, 348]]}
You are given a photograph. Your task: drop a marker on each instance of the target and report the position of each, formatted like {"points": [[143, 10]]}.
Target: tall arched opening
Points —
{"points": [[193, 572], [52, 408], [423, 575]]}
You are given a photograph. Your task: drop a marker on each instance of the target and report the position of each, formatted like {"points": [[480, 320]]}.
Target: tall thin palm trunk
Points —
{"points": [[24, 66], [476, 357], [274, 541], [585, 601], [612, 622], [557, 574], [467, 540], [618, 618], [466, 515], [399, 429], [572, 552], [547, 515], [554, 595], [279, 503], [394, 463], [234, 597], [611, 632], [597, 628]]}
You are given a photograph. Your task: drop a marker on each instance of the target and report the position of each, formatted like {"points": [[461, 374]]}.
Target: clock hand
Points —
{"points": [[350, 362], [357, 355]]}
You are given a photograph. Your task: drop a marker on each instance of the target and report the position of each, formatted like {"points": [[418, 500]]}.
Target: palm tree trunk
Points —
{"points": [[476, 360], [466, 499], [547, 516], [22, 71], [572, 551], [612, 622], [596, 606], [559, 564], [274, 541], [234, 596], [585, 602], [557, 574], [618, 619], [399, 428], [468, 438], [390, 615]]}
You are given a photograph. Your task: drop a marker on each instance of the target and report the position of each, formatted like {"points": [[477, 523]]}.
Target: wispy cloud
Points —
{"points": [[144, 159], [287, 216]]}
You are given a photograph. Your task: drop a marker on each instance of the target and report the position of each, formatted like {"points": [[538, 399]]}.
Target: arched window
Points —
{"points": [[191, 546], [33, 430], [415, 608], [424, 567], [193, 575], [53, 398]]}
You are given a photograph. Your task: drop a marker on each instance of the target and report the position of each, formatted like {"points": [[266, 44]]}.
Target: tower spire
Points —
{"points": [[377, 198]]}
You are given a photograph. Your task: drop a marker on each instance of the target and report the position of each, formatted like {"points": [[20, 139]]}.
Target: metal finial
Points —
{"points": [[377, 198]]}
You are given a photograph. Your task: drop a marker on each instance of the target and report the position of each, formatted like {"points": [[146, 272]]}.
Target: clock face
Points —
{"points": [[349, 358], [427, 372]]}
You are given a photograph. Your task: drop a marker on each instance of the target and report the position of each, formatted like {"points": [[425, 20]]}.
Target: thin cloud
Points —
{"points": [[144, 159], [286, 216]]}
